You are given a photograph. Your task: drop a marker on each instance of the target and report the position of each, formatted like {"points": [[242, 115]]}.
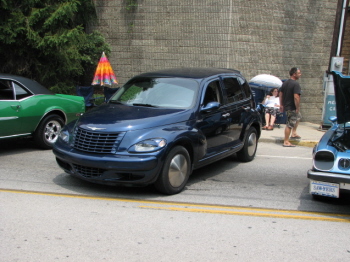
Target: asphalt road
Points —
{"points": [[229, 211]]}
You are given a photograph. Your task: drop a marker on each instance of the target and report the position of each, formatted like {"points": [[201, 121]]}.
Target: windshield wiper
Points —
{"points": [[146, 105], [115, 102]]}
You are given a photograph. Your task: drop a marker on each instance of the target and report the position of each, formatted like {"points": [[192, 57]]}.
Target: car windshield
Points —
{"points": [[346, 124], [164, 92]]}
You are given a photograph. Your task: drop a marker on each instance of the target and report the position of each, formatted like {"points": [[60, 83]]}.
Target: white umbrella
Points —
{"points": [[264, 81]]}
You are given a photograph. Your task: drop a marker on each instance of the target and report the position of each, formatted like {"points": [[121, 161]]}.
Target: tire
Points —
{"points": [[175, 172], [48, 130], [247, 153]]}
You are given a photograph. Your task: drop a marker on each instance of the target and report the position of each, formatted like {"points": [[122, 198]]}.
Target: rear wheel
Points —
{"points": [[247, 153], [48, 130], [175, 172]]}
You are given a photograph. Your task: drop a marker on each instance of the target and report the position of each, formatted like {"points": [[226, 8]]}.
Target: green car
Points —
{"points": [[29, 109]]}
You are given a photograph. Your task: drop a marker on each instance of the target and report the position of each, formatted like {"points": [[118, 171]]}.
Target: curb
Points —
{"points": [[306, 143]]}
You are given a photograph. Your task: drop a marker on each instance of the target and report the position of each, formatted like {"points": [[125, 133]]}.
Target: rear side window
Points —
{"points": [[6, 90], [20, 91], [233, 90], [12, 91], [246, 88]]}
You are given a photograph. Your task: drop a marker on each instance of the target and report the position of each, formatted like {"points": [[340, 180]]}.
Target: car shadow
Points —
{"points": [[312, 203], [17, 146], [78, 186], [211, 172]]}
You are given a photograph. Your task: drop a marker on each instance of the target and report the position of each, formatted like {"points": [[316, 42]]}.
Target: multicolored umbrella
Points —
{"points": [[104, 75]]}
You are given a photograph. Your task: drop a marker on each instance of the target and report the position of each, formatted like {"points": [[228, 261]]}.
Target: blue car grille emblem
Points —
{"points": [[97, 142]]}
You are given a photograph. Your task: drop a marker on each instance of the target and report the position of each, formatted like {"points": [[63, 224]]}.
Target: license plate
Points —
{"points": [[324, 189]]}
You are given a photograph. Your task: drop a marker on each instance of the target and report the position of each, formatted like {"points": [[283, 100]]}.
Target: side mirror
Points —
{"points": [[211, 106], [333, 119]]}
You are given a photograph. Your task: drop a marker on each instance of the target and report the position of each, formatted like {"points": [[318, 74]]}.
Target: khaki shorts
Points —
{"points": [[292, 118]]}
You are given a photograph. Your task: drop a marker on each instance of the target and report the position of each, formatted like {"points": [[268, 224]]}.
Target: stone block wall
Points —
{"points": [[253, 36]]}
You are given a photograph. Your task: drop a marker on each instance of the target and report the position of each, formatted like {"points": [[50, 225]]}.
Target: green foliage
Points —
{"points": [[131, 5], [46, 40]]}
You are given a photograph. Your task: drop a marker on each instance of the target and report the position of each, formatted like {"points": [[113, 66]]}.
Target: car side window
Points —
{"points": [[212, 93], [233, 89], [245, 85], [6, 91], [20, 91]]}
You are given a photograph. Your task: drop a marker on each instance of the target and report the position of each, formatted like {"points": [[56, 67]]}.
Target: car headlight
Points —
{"points": [[149, 145], [64, 135]]}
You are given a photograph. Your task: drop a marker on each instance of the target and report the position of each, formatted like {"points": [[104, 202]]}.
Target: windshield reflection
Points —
{"points": [[180, 93]]}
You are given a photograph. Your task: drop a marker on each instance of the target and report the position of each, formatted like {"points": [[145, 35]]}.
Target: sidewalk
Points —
{"points": [[310, 134]]}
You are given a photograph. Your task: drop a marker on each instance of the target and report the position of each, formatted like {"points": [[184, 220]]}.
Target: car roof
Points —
{"points": [[192, 72], [32, 85]]}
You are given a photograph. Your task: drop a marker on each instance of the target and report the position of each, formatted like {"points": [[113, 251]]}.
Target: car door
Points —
{"points": [[214, 123], [237, 105], [10, 123]]}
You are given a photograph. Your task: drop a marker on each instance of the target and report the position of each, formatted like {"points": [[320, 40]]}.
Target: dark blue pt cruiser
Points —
{"points": [[160, 126]]}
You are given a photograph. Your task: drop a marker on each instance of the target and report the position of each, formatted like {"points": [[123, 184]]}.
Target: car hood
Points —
{"points": [[115, 117], [342, 96]]}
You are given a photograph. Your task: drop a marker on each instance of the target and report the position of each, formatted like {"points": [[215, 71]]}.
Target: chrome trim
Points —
{"points": [[56, 109], [96, 128], [8, 118], [26, 134], [328, 177]]}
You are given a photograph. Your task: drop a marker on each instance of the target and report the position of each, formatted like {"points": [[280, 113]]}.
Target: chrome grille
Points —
{"points": [[97, 142], [88, 172]]}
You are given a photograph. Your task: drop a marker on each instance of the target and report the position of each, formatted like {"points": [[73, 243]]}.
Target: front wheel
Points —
{"points": [[48, 130], [247, 153], [175, 172]]}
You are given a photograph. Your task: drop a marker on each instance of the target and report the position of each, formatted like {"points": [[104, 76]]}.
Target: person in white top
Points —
{"points": [[272, 104]]}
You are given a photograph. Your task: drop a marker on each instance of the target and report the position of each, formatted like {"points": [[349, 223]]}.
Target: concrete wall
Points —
{"points": [[253, 36]]}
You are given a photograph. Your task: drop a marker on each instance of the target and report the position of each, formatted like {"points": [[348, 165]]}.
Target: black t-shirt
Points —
{"points": [[289, 88]]}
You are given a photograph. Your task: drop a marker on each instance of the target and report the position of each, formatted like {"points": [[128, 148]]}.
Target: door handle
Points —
{"points": [[246, 108], [226, 115], [16, 107]]}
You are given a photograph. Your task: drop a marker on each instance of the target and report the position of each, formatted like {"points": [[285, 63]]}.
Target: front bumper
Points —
{"points": [[137, 170], [328, 177]]}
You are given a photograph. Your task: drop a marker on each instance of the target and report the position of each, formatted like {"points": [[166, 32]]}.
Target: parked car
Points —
{"points": [[160, 126], [330, 172], [29, 109]]}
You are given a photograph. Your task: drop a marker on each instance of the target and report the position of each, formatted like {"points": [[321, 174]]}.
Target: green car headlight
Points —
{"points": [[149, 145]]}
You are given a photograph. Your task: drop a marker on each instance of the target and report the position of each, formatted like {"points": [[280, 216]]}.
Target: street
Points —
{"points": [[229, 211]]}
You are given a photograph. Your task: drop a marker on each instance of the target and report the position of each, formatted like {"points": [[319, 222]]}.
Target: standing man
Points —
{"points": [[290, 103]]}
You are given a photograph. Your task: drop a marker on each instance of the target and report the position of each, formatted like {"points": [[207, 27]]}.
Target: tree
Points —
{"points": [[46, 40]]}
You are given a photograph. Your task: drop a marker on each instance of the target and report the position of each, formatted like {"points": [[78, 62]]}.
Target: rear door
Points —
{"points": [[237, 104]]}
